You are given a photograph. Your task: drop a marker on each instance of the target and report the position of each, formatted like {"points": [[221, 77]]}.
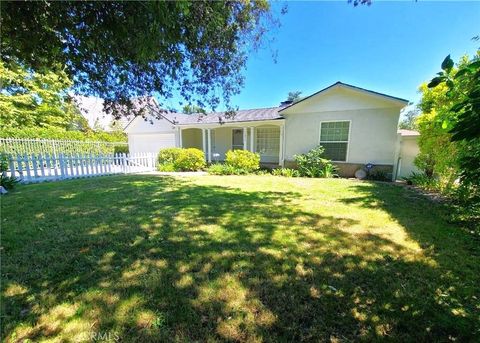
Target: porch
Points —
{"points": [[266, 139]]}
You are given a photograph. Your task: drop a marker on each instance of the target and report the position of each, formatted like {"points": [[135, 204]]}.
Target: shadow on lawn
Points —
{"points": [[152, 259]]}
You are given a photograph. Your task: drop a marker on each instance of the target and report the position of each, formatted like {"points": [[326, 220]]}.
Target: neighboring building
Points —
{"points": [[356, 126]]}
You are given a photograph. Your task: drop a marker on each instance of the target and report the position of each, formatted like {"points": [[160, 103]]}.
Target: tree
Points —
{"points": [[409, 119], [35, 99], [294, 96], [191, 109], [463, 122], [120, 50]]}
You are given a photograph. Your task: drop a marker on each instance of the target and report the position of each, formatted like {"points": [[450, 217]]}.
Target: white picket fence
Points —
{"points": [[37, 168]]}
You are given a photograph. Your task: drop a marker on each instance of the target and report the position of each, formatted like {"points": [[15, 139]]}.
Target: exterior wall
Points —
{"points": [[192, 138], [373, 125], [150, 136], [408, 151], [373, 134]]}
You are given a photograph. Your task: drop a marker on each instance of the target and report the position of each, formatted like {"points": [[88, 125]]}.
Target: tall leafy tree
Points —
{"points": [[119, 50], [463, 123], [35, 99]]}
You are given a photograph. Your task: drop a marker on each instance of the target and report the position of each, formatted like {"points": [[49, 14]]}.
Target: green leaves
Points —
{"points": [[436, 81], [447, 64]]}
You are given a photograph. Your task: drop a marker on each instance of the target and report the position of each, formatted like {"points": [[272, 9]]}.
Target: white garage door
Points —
{"points": [[151, 142]]}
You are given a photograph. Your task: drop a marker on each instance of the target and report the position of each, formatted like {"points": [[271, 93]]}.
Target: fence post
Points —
{"points": [[62, 166], [11, 165], [42, 169], [34, 165], [20, 167], [27, 167]]}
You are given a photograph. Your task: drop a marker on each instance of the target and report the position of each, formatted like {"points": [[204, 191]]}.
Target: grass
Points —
{"points": [[233, 258]]}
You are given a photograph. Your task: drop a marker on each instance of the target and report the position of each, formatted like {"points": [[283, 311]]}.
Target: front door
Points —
{"points": [[237, 139]]}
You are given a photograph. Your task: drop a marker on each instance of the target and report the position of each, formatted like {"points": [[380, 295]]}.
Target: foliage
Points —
{"points": [[168, 155], [237, 258], [294, 96], [226, 169], [191, 159], [35, 99], [422, 180], [287, 172], [452, 106], [329, 170], [120, 149], [409, 120], [7, 182], [191, 109], [243, 160], [57, 133], [166, 167], [313, 164], [178, 159], [120, 50]]}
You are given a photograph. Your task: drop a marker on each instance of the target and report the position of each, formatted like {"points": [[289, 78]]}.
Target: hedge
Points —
{"points": [[60, 134]]}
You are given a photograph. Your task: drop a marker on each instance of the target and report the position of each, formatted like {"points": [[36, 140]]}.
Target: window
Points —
{"points": [[334, 139], [268, 141]]}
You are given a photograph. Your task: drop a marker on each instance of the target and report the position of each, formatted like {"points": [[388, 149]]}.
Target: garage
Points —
{"points": [[150, 142]]}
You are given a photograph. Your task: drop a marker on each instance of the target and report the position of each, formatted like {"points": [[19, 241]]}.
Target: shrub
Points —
{"points": [[313, 164], [178, 159], [225, 169], [243, 160], [378, 175], [190, 159], [120, 149], [168, 156], [287, 172], [167, 167], [328, 170], [8, 182]]}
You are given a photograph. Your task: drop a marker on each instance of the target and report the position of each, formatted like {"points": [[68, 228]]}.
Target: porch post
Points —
{"points": [[209, 145], [280, 150], [204, 147], [180, 142], [252, 130], [244, 138]]}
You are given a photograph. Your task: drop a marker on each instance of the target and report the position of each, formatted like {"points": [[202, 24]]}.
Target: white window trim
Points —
{"points": [[348, 141]]}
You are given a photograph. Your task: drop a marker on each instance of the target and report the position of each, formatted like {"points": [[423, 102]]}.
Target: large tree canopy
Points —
{"points": [[121, 50], [34, 99]]}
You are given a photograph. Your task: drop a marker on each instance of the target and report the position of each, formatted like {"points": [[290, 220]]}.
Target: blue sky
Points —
{"points": [[390, 47]]}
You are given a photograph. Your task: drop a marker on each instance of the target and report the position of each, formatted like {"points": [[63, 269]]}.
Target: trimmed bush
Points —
{"points": [[243, 160], [178, 159], [190, 159], [168, 156], [313, 164]]}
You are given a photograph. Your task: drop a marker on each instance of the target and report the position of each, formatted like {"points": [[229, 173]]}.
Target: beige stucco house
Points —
{"points": [[355, 126]]}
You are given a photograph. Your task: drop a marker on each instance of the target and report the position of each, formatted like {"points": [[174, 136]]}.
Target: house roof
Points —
{"points": [[346, 85], [255, 114], [412, 133]]}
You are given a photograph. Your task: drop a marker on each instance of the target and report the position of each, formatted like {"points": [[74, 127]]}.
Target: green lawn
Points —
{"points": [[233, 258]]}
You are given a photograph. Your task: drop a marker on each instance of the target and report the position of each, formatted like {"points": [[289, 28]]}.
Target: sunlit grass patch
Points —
{"points": [[237, 258]]}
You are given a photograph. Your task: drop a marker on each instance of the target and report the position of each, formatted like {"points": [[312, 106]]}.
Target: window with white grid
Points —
{"points": [[268, 141], [334, 139]]}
